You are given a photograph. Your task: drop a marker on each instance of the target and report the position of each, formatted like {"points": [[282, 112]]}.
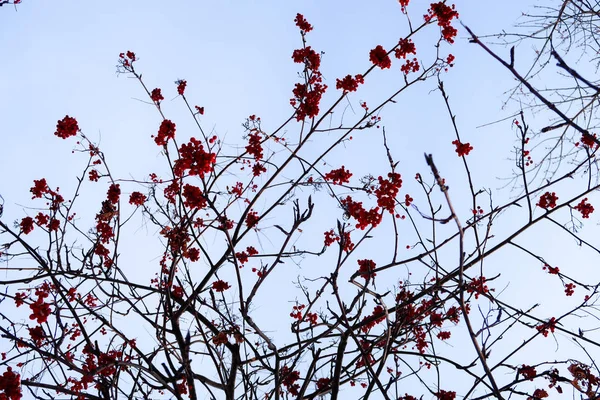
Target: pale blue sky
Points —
{"points": [[59, 58]]}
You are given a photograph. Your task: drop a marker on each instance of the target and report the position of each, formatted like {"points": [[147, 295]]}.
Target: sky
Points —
{"points": [[60, 58]]}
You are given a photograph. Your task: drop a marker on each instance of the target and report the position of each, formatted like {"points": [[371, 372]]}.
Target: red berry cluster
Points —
{"points": [[338, 176], [181, 84], [301, 23], [252, 219], [323, 383], [445, 395], [444, 15], [194, 198], [570, 289], [307, 95], [364, 218], [388, 190], [403, 4], [39, 189], [410, 66], [10, 385], [307, 56], [379, 57], [220, 286], [551, 270], [254, 147], [126, 61], [156, 96], [462, 149], [66, 127], [345, 241], [137, 199], [547, 200], [289, 377], [584, 208], [114, 192], [165, 132], [478, 286], [193, 254], [538, 394], [547, 327], [367, 268], [528, 372], [243, 256], [194, 160], [349, 84], [171, 191], [404, 48], [376, 317], [588, 140]]}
